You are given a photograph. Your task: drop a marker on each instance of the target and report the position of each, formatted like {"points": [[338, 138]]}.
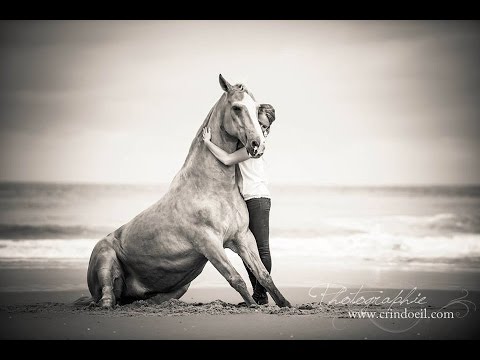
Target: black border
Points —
{"points": [[241, 10]]}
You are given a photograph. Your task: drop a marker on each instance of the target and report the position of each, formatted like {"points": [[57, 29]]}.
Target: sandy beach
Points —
{"points": [[213, 313]]}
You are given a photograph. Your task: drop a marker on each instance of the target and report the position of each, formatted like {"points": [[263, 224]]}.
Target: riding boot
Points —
{"points": [[260, 295]]}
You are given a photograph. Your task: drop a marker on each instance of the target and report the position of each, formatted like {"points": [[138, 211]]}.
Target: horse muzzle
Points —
{"points": [[254, 149]]}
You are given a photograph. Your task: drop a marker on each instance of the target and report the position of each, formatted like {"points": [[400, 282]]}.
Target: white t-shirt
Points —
{"points": [[253, 183]]}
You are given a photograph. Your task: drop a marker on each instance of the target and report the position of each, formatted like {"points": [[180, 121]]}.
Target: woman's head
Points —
{"points": [[266, 116]]}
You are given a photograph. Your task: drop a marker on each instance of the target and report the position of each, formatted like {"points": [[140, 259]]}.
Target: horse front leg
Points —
{"points": [[213, 250], [246, 247]]}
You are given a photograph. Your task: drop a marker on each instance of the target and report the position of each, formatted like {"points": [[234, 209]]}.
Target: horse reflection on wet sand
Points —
{"points": [[159, 252]]}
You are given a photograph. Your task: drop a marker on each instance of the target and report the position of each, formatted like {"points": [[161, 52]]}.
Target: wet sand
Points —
{"points": [[213, 313]]}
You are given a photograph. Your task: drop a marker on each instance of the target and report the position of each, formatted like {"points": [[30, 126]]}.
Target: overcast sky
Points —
{"points": [[357, 102]]}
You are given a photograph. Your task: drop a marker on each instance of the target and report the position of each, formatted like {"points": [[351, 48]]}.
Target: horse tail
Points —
{"points": [[83, 301]]}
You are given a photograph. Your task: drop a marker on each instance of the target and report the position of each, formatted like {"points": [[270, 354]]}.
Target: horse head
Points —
{"points": [[241, 117]]}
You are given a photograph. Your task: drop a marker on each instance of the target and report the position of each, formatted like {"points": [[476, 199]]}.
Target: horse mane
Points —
{"points": [[209, 116]]}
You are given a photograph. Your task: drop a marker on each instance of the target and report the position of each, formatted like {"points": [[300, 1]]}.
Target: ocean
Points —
{"points": [[430, 228]]}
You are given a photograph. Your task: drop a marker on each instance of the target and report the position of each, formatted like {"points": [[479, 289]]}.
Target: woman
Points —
{"points": [[253, 187]]}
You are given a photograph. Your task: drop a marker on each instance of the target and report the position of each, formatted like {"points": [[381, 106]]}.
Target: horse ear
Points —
{"points": [[224, 83]]}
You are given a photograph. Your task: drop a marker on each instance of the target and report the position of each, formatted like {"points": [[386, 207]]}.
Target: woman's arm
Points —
{"points": [[226, 158]]}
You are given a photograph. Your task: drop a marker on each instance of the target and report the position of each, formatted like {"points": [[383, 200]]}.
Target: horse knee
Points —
{"points": [[265, 278], [236, 282]]}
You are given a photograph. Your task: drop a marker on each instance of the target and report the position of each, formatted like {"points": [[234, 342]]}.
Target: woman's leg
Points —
{"points": [[259, 215]]}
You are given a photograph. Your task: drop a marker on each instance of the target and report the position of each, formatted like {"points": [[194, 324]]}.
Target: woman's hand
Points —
{"points": [[207, 135]]}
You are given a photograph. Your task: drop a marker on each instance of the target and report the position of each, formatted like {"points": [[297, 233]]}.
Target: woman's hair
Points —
{"points": [[269, 112]]}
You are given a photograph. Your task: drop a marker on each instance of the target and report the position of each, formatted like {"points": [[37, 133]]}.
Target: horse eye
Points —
{"points": [[236, 108]]}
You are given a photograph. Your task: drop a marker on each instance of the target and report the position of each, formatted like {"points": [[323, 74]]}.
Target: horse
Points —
{"points": [[158, 253]]}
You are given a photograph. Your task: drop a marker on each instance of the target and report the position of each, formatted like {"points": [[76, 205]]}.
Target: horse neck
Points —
{"points": [[201, 163]]}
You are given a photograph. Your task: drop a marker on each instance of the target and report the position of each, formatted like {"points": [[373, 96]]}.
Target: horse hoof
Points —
{"points": [[286, 303]]}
